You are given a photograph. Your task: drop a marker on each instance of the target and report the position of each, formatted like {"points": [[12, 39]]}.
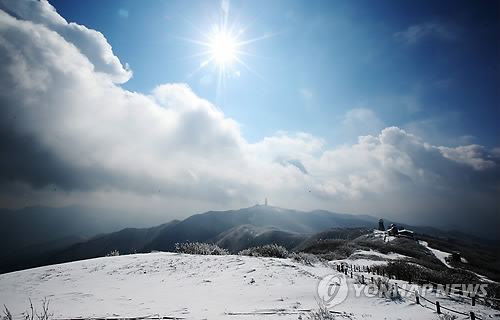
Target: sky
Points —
{"points": [[178, 107]]}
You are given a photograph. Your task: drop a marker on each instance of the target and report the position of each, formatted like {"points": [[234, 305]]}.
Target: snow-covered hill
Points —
{"points": [[192, 287]]}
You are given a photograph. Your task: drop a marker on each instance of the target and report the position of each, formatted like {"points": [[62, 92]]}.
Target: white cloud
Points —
{"points": [[65, 123], [416, 33], [90, 42], [473, 155], [104, 135], [288, 144]]}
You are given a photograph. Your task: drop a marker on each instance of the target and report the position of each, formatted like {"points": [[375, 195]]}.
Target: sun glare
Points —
{"points": [[223, 48], [224, 45]]}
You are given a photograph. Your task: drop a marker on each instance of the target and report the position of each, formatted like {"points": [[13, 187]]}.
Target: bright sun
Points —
{"points": [[224, 45], [223, 48]]}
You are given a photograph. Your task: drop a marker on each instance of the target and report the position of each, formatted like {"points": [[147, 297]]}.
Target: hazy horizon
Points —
{"points": [[385, 109]]}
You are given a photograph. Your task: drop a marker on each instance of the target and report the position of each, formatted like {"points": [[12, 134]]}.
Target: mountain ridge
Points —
{"points": [[231, 229]]}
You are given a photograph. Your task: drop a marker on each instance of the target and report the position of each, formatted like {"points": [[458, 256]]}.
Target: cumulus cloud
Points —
{"points": [[66, 124], [89, 133], [90, 42], [473, 155], [416, 33]]}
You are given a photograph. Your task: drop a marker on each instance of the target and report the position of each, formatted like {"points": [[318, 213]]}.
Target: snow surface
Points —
{"points": [[384, 235], [368, 258], [193, 287], [441, 255]]}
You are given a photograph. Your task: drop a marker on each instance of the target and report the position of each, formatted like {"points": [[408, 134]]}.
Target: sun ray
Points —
{"points": [[203, 64], [242, 43], [253, 71], [206, 44], [248, 54], [224, 48], [197, 55]]}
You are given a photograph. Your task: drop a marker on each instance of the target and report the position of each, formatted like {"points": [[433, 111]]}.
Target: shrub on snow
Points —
{"points": [[322, 313], [200, 248], [113, 253], [268, 250], [305, 258], [31, 312]]}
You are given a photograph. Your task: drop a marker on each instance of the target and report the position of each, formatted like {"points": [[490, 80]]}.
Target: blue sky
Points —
{"points": [[385, 108], [322, 60]]}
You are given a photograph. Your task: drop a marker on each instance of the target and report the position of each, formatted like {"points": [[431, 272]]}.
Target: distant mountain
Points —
{"points": [[34, 225], [234, 230], [69, 236], [126, 241], [32, 233], [35, 255], [246, 236], [207, 226], [239, 237]]}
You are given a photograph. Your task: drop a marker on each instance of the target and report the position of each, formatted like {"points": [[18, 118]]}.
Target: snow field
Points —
{"points": [[194, 287]]}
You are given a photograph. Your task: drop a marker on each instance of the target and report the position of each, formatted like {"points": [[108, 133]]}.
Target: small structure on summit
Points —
{"points": [[396, 232], [406, 233], [381, 226], [265, 202], [393, 230]]}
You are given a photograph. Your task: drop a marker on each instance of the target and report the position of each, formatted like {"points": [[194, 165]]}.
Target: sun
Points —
{"points": [[223, 48]]}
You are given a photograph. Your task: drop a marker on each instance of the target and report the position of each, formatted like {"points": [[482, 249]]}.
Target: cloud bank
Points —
{"points": [[66, 125]]}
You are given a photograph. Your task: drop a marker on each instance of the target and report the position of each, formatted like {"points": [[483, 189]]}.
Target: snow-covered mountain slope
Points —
{"points": [[247, 235], [368, 258], [191, 287], [441, 255]]}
